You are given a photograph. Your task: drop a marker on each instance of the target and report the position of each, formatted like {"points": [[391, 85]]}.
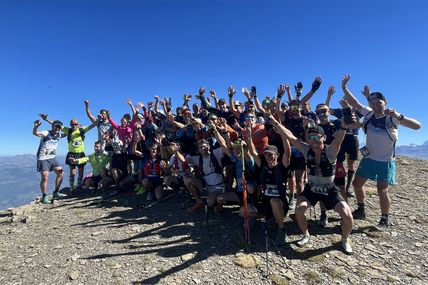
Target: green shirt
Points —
{"points": [[98, 161]]}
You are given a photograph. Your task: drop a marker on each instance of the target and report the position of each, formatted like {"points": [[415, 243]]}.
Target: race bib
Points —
{"points": [[76, 143], [319, 189], [271, 190]]}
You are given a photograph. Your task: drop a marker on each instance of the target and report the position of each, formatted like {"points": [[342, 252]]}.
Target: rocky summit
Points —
{"points": [[93, 238]]}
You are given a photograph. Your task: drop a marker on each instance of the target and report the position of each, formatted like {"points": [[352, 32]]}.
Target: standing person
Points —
{"points": [[103, 125], [46, 161], [381, 127]]}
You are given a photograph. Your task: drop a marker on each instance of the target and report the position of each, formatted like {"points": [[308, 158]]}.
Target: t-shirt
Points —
{"points": [[98, 162], [103, 128], [75, 144], [378, 142], [211, 177], [48, 145]]}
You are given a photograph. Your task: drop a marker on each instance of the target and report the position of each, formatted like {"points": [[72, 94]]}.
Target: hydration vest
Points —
{"points": [[213, 161], [280, 178], [327, 169], [390, 127]]}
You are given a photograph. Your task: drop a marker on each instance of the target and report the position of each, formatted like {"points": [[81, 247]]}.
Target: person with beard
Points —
{"points": [[321, 159], [103, 125], [99, 162], [381, 127]]}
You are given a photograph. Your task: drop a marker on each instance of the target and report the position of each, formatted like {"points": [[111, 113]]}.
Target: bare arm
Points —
{"points": [[256, 100], [282, 130], [315, 86], [134, 112], [330, 92], [36, 132], [231, 91], [404, 121], [349, 97], [88, 111]]}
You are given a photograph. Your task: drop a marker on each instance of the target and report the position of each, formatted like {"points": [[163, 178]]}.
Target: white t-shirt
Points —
{"points": [[378, 142], [211, 178], [48, 145]]}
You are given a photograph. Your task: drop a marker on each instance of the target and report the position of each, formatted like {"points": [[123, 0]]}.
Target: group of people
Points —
{"points": [[266, 155]]}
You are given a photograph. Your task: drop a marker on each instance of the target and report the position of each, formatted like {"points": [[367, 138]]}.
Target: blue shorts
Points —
{"points": [[377, 170]]}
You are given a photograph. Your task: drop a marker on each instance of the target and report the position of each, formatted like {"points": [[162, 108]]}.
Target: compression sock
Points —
{"points": [[71, 180], [350, 178], [361, 206]]}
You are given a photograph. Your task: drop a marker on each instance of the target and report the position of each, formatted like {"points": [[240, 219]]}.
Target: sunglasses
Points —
{"points": [[75, 124], [321, 112], [294, 107], [58, 126], [314, 137]]}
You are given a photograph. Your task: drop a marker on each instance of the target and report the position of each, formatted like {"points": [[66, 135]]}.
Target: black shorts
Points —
{"points": [[75, 156], [96, 179], [264, 207], [330, 200], [350, 146]]}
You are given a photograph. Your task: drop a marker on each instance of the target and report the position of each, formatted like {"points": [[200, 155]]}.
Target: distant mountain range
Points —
{"points": [[19, 180], [412, 150]]}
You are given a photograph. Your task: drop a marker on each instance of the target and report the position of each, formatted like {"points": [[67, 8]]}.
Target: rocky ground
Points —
{"points": [[89, 239]]}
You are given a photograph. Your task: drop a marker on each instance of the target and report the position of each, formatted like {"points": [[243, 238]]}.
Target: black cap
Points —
{"points": [[295, 103], [57, 123], [377, 95]]}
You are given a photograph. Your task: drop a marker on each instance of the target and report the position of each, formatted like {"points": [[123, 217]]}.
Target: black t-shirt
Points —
{"points": [[330, 129], [296, 126], [274, 176]]}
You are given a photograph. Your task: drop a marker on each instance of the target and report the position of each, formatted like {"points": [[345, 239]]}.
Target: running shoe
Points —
{"points": [[303, 241], [347, 247], [359, 213], [56, 195], [322, 222], [45, 200], [280, 237], [383, 225], [350, 192]]}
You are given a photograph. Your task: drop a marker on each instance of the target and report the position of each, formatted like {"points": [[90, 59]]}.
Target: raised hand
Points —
{"points": [[187, 97], [86, 102], [331, 90], [253, 91], [298, 88], [280, 90], [246, 93], [316, 84], [287, 88], [140, 105], [129, 102], [231, 91], [37, 123], [150, 104], [212, 94], [366, 92], [345, 80], [156, 98], [201, 91], [43, 116]]}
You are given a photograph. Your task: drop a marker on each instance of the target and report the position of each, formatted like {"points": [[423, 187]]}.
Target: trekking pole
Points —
{"points": [[266, 248], [244, 198], [158, 201]]}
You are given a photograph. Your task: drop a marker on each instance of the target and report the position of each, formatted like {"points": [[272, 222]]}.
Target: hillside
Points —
{"points": [[95, 239]]}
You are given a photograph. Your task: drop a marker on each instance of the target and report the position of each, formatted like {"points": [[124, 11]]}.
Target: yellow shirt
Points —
{"points": [[75, 144]]}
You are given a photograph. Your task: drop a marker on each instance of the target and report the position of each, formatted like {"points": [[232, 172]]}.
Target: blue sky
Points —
{"points": [[55, 54]]}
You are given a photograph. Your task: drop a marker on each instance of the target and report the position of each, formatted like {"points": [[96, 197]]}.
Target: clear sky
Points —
{"points": [[54, 54]]}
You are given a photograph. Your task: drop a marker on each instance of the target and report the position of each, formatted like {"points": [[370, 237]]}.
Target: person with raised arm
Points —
{"points": [[321, 162], [380, 125], [273, 179], [103, 125], [46, 161]]}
